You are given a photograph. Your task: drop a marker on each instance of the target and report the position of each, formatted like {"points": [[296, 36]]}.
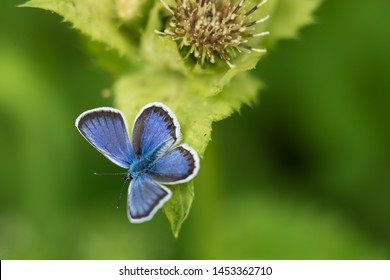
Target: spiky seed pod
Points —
{"points": [[213, 26]]}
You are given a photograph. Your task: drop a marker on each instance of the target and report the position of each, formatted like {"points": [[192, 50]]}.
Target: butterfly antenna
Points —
{"points": [[120, 195], [108, 174]]}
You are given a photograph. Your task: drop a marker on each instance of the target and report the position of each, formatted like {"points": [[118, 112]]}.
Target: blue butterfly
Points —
{"points": [[152, 158]]}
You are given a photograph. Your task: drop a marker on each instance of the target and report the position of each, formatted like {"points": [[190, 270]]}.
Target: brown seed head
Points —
{"points": [[213, 26]]}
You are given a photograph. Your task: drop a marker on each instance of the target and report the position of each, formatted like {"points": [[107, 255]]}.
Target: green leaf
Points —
{"points": [[178, 207], [195, 114], [288, 17], [99, 19]]}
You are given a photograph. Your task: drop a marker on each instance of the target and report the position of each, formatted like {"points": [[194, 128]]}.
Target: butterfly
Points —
{"points": [[152, 158]]}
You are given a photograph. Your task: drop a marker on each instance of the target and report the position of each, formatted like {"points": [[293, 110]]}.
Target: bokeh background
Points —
{"points": [[304, 174]]}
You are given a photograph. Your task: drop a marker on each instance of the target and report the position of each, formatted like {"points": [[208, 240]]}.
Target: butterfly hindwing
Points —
{"points": [[105, 128], [144, 199], [155, 130], [178, 166]]}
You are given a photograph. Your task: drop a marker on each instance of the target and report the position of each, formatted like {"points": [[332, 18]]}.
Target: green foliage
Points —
{"points": [[195, 112], [303, 176], [98, 19], [288, 17], [156, 71]]}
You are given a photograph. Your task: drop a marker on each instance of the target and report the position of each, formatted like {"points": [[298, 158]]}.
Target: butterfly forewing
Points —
{"points": [[106, 130], [155, 131]]}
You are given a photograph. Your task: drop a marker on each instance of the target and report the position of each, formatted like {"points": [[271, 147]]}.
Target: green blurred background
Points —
{"points": [[304, 174]]}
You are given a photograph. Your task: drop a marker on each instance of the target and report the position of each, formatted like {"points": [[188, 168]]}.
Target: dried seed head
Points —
{"points": [[208, 27]]}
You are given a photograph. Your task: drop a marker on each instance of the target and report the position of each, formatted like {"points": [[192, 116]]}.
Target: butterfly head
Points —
{"points": [[128, 177]]}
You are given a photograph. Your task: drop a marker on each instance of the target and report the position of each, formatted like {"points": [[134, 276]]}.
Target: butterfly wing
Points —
{"points": [[178, 166], [155, 131], [145, 198], [106, 129]]}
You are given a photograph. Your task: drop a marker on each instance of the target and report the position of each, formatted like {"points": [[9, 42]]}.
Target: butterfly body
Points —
{"points": [[152, 157], [139, 167]]}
